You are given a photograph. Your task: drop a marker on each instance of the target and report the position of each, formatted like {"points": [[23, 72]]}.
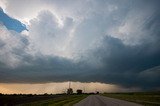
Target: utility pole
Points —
{"points": [[69, 90], [84, 89], [69, 84]]}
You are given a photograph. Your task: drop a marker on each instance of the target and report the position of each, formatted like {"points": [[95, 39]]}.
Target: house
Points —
{"points": [[79, 91]]}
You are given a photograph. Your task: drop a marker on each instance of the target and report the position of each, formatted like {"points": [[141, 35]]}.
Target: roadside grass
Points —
{"points": [[66, 100], [144, 98]]}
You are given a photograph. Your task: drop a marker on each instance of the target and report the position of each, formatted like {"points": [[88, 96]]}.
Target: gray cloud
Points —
{"points": [[113, 42], [123, 64]]}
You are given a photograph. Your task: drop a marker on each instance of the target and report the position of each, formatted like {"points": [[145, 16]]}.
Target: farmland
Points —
{"points": [[144, 98], [36, 100]]}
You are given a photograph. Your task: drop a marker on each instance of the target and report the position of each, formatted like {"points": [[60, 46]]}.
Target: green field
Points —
{"points": [[40, 100], [66, 100], [144, 98]]}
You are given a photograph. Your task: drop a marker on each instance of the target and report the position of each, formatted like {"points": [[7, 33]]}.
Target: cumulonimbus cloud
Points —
{"points": [[109, 43]]}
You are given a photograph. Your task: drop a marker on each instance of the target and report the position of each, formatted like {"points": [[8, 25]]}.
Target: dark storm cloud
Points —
{"points": [[123, 64], [129, 66], [113, 61], [44, 69]]}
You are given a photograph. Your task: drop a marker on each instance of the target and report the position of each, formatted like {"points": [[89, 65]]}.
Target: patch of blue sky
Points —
{"points": [[11, 23]]}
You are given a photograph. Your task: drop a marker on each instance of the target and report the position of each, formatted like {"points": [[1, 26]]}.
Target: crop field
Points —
{"points": [[40, 100], [67, 100], [144, 98]]}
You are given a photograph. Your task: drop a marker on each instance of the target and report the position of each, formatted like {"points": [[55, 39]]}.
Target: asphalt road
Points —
{"points": [[97, 100]]}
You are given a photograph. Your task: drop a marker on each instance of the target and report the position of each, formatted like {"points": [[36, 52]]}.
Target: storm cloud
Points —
{"points": [[112, 41]]}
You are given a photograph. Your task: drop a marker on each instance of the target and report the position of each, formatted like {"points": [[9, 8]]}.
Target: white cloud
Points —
{"points": [[11, 46], [25, 10], [2, 4], [65, 28], [72, 29], [48, 37]]}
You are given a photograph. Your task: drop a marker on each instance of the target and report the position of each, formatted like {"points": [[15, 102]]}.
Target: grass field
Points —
{"points": [[144, 98], [66, 100], [40, 100]]}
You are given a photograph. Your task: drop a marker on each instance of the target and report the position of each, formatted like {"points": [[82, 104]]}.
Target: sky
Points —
{"points": [[109, 45]]}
